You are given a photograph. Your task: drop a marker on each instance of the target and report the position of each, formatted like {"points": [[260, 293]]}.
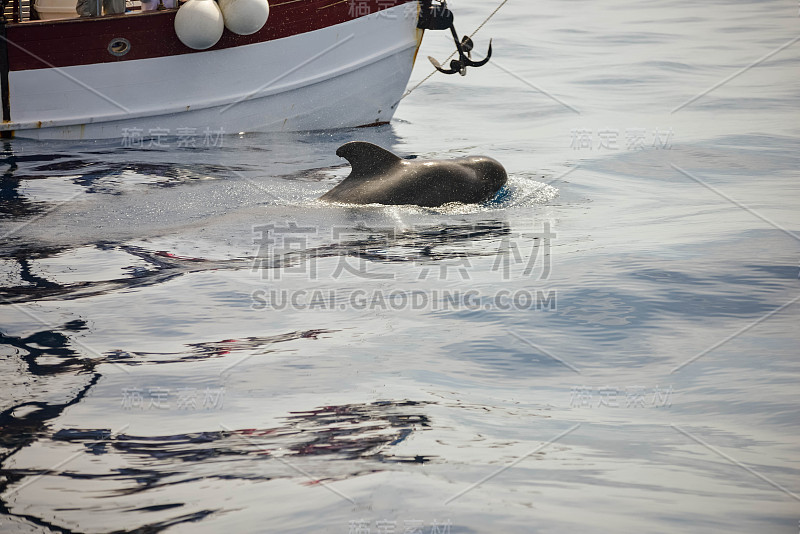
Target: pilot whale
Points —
{"points": [[381, 177]]}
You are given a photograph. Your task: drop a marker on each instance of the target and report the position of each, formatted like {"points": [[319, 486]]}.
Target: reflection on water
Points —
{"points": [[212, 349], [145, 389], [382, 244], [364, 435]]}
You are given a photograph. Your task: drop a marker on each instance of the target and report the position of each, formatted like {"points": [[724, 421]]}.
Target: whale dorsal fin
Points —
{"points": [[367, 159]]}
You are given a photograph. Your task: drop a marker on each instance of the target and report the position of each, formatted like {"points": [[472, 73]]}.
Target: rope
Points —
{"points": [[481, 25]]}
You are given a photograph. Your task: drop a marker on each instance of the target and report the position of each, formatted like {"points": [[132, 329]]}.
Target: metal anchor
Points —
{"points": [[438, 17]]}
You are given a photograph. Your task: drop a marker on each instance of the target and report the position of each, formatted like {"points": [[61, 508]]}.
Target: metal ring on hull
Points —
{"points": [[119, 47]]}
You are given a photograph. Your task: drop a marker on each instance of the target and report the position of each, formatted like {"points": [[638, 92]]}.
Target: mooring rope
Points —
{"points": [[481, 25]]}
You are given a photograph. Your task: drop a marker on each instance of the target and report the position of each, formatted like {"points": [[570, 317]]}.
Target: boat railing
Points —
{"points": [[17, 10]]}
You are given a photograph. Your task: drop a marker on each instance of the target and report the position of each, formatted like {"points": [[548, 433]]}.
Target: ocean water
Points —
{"points": [[192, 343]]}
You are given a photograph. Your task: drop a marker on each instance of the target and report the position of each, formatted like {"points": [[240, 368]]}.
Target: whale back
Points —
{"points": [[368, 162], [381, 177], [367, 159]]}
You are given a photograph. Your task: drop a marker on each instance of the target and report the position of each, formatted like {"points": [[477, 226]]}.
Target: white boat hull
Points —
{"points": [[347, 75]]}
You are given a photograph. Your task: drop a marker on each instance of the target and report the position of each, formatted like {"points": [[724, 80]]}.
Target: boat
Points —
{"points": [[316, 64], [313, 65]]}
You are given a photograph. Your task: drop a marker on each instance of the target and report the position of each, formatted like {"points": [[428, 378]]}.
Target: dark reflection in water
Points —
{"points": [[361, 435], [93, 176], [212, 349], [389, 245], [424, 244], [350, 431], [52, 344], [169, 174], [27, 422], [37, 287]]}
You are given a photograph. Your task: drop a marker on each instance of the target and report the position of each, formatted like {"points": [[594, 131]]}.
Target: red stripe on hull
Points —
{"points": [[64, 43]]}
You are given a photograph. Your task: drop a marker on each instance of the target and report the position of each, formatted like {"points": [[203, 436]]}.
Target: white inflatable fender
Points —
{"points": [[244, 17], [199, 24]]}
